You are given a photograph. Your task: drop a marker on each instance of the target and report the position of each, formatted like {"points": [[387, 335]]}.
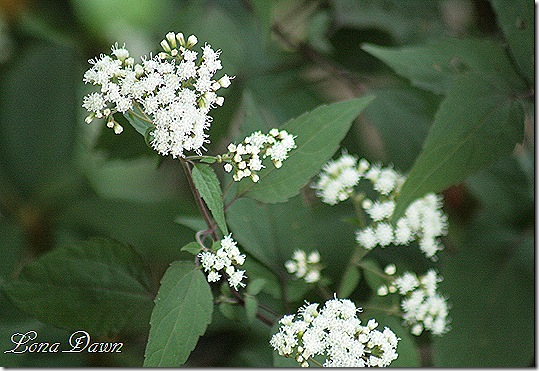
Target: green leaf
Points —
{"points": [[435, 66], [194, 223], [251, 308], [318, 135], [134, 117], [125, 146], [99, 285], [271, 233], [183, 310], [406, 21], [516, 19], [477, 123], [373, 274], [263, 10], [191, 248], [490, 258], [403, 117], [252, 118], [38, 112], [255, 286], [349, 281], [210, 190]]}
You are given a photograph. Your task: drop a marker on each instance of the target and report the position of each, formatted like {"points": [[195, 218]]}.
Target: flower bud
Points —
{"points": [[118, 128], [224, 81], [165, 46], [180, 38], [171, 38], [89, 118], [191, 41]]}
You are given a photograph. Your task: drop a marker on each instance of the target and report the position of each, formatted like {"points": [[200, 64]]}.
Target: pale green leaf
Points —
{"points": [[349, 281], [183, 310], [251, 308], [135, 118], [191, 248], [318, 135], [210, 190], [255, 286]]}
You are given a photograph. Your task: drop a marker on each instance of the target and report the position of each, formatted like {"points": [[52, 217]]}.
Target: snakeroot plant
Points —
{"points": [[264, 187], [168, 98]]}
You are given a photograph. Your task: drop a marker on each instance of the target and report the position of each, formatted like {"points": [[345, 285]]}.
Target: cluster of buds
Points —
{"points": [[303, 266], [245, 159]]}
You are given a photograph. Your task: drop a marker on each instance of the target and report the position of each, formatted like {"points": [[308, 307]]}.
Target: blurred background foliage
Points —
{"points": [[62, 181]]}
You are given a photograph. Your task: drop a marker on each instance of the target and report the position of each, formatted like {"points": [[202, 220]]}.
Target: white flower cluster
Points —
{"points": [[175, 90], [335, 332], [338, 178], [224, 259], [424, 221], [423, 308], [244, 158], [303, 266]]}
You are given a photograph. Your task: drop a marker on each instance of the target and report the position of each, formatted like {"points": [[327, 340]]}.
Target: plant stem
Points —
{"points": [[199, 201]]}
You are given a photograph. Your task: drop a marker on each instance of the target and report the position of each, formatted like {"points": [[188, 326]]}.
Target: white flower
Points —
{"points": [[173, 91], [422, 307], [337, 179], [336, 333], [367, 238]]}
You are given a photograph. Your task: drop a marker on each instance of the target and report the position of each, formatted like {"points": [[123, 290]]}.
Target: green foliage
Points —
{"points": [[435, 66], [319, 134], [183, 310], [518, 25], [480, 119], [210, 190], [100, 285], [477, 123], [449, 110]]}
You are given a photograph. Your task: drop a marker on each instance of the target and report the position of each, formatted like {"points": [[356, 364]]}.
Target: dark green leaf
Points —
{"points": [[349, 281], [38, 112], [476, 124], [210, 190], [192, 248], [486, 285], [263, 10], [318, 135], [252, 118], [100, 286], [516, 18], [435, 66], [403, 117], [271, 233], [124, 146], [411, 20], [183, 310]]}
